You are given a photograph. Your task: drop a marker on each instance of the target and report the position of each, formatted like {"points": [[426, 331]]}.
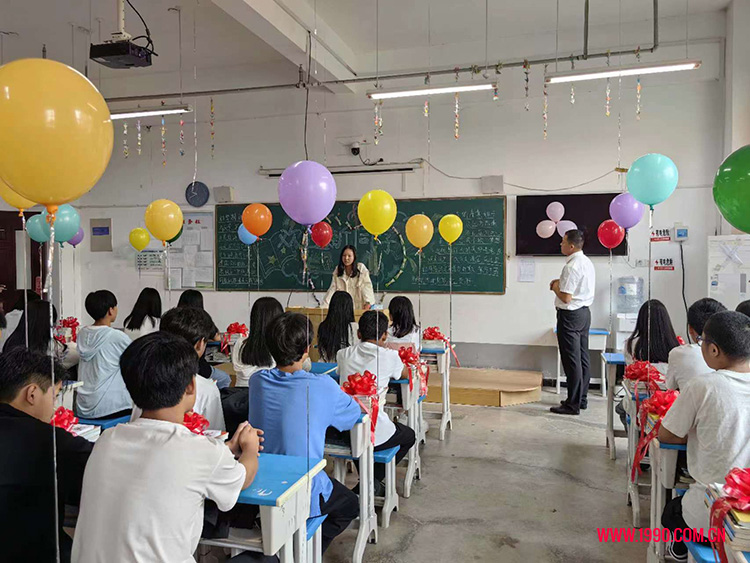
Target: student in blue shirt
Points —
{"points": [[291, 404]]}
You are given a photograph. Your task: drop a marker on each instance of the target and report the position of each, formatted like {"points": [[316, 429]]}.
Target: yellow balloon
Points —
{"points": [[450, 228], [56, 135], [377, 211], [13, 199], [163, 219], [419, 230], [139, 238]]}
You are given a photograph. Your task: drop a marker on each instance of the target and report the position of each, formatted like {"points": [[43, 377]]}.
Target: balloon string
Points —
{"points": [[450, 294], [257, 266], [610, 294], [169, 275], [650, 230], [25, 281], [419, 279]]}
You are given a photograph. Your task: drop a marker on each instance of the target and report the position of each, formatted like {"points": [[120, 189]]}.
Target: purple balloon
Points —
{"points": [[626, 211], [307, 192], [565, 226], [77, 238]]}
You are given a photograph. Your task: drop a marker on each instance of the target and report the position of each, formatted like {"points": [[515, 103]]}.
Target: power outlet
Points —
{"points": [[641, 263]]}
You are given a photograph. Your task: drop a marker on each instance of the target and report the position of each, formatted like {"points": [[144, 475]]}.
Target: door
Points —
{"points": [[10, 222]]}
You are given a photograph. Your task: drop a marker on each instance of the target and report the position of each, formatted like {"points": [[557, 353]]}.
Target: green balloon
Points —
{"points": [[178, 235], [732, 189]]}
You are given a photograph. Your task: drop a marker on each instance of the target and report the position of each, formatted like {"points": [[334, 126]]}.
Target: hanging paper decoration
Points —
{"points": [[608, 91], [456, 123], [495, 95], [182, 137], [544, 103], [212, 128], [526, 70], [427, 101], [378, 120], [125, 150], [572, 88], [638, 86], [163, 142], [138, 129]]}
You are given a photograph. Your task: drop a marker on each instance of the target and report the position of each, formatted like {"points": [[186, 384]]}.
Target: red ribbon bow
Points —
{"points": [[234, 328], [736, 497], [411, 359], [366, 385], [64, 418], [680, 341], [71, 323], [643, 372], [196, 423], [433, 333], [657, 404]]}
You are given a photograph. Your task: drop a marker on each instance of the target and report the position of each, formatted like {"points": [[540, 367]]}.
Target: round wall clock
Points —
{"points": [[197, 194]]}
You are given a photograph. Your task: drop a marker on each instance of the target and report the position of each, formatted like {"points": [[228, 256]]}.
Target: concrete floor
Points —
{"points": [[511, 484]]}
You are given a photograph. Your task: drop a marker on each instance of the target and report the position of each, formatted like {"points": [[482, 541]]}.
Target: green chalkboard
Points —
{"points": [[478, 256]]}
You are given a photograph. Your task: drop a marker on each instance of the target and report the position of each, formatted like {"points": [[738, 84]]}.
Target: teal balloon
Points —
{"points": [[732, 189], [35, 226], [67, 223], [652, 178]]}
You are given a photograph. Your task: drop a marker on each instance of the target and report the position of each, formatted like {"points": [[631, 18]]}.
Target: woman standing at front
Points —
{"points": [[354, 278]]}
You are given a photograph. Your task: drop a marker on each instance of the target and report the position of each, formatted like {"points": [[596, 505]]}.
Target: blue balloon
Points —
{"points": [[246, 236], [67, 223], [652, 178], [37, 228]]}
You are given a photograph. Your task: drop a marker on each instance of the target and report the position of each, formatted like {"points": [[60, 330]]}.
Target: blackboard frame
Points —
{"points": [[504, 253]]}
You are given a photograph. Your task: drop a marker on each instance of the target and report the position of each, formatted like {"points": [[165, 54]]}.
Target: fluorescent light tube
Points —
{"points": [[429, 90], [148, 112], [624, 70]]}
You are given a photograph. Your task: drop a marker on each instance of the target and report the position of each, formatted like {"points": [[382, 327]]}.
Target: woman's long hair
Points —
{"points": [[254, 350], [191, 298], [30, 296], [333, 332], [663, 337], [402, 316], [148, 304], [39, 337], [341, 269]]}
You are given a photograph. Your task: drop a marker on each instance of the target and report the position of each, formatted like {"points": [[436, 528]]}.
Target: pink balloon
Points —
{"points": [[546, 228], [565, 226], [555, 211]]}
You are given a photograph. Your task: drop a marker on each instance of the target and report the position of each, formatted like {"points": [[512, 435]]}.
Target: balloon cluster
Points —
{"points": [[163, 220], [67, 226], [555, 222]]}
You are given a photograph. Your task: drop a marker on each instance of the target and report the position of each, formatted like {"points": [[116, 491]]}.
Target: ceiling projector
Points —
{"points": [[122, 51]]}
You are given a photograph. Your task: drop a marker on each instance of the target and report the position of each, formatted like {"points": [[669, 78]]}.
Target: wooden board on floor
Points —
{"points": [[489, 387]]}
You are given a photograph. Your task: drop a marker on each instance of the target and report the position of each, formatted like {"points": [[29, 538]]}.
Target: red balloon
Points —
{"points": [[610, 234], [322, 234]]}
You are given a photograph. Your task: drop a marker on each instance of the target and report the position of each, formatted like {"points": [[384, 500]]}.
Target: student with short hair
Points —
{"points": [[191, 298], [146, 314], [686, 362], [27, 508], [295, 408], [371, 355], [146, 481], [404, 328], [195, 326], [744, 308], [103, 394], [711, 414]]}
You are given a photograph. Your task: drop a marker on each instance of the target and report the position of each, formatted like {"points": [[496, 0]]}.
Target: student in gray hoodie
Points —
{"points": [[103, 394]]}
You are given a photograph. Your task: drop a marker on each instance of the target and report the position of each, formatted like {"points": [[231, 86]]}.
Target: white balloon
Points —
{"points": [[546, 228], [555, 211], [565, 226]]}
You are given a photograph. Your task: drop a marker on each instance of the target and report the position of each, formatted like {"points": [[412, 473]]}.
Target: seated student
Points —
{"points": [[38, 335], [404, 328], [338, 330], [195, 326], [27, 508], [13, 317], [686, 362], [711, 414], [744, 308], [146, 482], [370, 355], [144, 318], [103, 394], [250, 353], [286, 399]]}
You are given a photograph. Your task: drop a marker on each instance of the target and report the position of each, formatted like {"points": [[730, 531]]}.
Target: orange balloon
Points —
{"points": [[257, 219]]}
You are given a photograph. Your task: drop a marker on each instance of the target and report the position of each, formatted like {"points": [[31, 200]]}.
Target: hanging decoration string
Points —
{"points": [[212, 116], [572, 88], [456, 111], [544, 103], [138, 137], [638, 86], [179, 56], [125, 149], [526, 70], [607, 91], [163, 141]]}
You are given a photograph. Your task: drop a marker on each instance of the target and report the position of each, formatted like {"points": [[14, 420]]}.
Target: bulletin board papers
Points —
{"points": [[191, 257], [150, 261]]}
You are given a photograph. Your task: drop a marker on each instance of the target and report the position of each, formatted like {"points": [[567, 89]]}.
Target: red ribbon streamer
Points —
{"points": [[658, 404], [411, 359], [234, 328], [433, 333], [366, 385], [196, 423], [736, 497], [643, 372], [64, 418]]}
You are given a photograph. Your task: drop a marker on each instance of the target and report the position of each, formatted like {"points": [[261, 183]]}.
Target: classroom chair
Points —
{"points": [[390, 501], [105, 423], [410, 406]]}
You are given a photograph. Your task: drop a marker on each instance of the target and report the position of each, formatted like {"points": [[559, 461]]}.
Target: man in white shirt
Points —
{"points": [[686, 362], [574, 294], [711, 415], [146, 482]]}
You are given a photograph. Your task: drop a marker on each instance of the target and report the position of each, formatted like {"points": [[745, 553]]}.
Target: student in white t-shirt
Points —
{"points": [[686, 362], [146, 482], [370, 355], [145, 316], [195, 326], [404, 328], [711, 415]]}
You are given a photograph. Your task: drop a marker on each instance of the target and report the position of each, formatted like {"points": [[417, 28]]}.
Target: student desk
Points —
{"points": [[610, 361], [281, 489], [439, 357], [597, 341]]}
